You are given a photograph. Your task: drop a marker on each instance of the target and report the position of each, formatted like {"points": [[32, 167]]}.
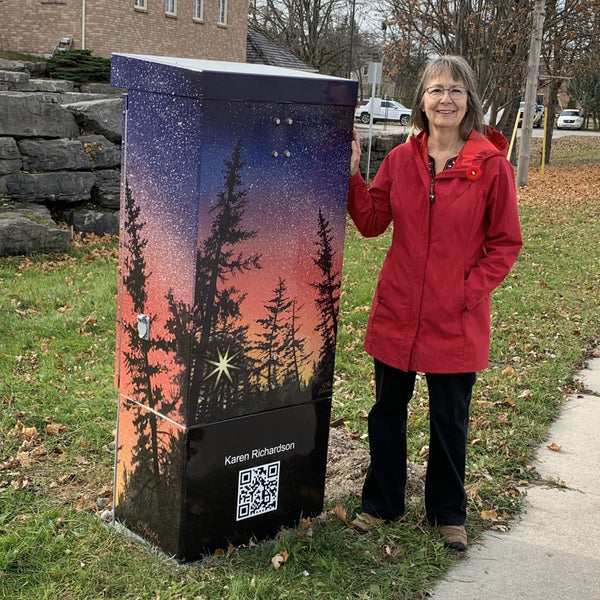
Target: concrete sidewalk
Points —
{"points": [[553, 551]]}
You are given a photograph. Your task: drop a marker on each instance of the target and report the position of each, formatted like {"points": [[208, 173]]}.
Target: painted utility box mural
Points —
{"points": [[233, 203]]}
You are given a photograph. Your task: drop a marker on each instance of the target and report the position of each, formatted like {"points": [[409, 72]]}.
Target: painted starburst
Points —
{"points": [[222, 367]]}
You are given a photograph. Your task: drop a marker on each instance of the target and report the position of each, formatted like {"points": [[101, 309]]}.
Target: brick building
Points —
{"points": [[204, 29]]}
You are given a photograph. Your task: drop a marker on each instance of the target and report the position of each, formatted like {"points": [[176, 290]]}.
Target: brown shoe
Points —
{"points": [[365, 523], [455, 537]]}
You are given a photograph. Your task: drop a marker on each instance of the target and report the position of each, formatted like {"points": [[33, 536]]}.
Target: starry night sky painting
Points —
{"points": [[237, 211]]}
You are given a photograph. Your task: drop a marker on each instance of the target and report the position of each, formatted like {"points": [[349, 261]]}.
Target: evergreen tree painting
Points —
{"points": [[327, 302], [156, 454], [294, 353], [280, 349], [220, 368], [271, 344]]}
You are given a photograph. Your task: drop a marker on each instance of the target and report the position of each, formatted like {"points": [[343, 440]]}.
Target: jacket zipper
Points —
{"points": [[414, 357]]}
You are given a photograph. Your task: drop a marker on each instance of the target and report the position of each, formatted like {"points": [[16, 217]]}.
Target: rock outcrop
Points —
{"points": [[60, 159], [27, 227]]}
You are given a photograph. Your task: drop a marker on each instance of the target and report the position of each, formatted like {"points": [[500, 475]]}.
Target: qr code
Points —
{"points": [[258, 489]]}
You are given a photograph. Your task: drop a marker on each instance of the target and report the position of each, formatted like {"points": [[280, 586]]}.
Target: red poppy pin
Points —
{"points": [[473, 173]]}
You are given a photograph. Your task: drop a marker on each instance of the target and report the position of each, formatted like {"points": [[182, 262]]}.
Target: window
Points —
{"points": [[171, 7], [198, 10], [222, 20], [140, 4]]}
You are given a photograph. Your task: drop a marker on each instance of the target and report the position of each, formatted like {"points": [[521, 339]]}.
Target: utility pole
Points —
{"points": [[533, 67], [349, 74]]}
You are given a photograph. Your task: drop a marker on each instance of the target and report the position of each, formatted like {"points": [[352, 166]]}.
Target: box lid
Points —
{"points": [[208, 79]]}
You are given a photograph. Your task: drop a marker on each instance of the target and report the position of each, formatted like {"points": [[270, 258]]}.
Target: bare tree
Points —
{"points": [[570, 50], [317, 31], [491, 34]]}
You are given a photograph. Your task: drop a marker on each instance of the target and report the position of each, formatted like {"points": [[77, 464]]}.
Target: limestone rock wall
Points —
{"points": [[60, 158], [381, 144]]}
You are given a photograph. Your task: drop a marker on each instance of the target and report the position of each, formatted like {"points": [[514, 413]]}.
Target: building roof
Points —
{"points": [[263, 51]]}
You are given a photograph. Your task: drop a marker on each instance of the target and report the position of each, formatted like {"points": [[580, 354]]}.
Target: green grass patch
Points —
{"points": [[57, 340], [10, 55]]}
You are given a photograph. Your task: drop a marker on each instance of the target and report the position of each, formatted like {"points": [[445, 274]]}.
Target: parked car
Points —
{"points": [[538, 115], [383, 110], [570, 118]]}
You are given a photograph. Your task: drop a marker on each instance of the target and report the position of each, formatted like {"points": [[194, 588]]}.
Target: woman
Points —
{"points": [[451, 195]]}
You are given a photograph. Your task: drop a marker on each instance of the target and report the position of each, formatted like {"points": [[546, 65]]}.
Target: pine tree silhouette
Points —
{"points": [[217, 305], [271, 344], [294, 350], [327, 301]]}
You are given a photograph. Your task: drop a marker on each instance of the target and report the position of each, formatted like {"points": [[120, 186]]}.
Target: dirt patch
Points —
{"points": [[347, 464]]}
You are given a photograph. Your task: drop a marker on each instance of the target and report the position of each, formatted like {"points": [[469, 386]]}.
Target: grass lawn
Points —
{"points": [[57, 423]]}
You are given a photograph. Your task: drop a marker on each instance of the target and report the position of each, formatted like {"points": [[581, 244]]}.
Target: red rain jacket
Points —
{"points": [[455, 239]]}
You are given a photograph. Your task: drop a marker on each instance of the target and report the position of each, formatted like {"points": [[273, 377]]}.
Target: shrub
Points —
{"points": [[79, 66]]}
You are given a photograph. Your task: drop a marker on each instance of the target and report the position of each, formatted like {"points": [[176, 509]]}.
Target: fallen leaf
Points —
{"points": [[503, 420], [89, 321], [279, 559], [27, 432], [510, 403], [339, 511], [24, 459], [554, 447], [508, 371], [53, 428], [9, 465], [106, 491], [489, 515], [21, 483], [484, 403]]}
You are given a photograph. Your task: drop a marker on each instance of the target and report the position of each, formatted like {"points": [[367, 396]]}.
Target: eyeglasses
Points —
{"points": [[455, 93]]}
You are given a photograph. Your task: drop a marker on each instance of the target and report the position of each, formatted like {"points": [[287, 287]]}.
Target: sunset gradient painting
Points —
{"points": [[286, 176]]}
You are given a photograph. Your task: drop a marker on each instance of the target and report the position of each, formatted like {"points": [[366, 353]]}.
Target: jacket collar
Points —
{"points": [[477, 148]]}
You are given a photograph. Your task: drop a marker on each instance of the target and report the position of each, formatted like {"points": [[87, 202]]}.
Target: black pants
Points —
{"points": [[449, 400]]}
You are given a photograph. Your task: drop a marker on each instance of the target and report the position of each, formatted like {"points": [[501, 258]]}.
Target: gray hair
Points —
{"points": [[459, 70]]}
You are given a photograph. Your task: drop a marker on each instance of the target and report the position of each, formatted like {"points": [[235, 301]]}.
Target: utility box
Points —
{"points": [[233, 204]]}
